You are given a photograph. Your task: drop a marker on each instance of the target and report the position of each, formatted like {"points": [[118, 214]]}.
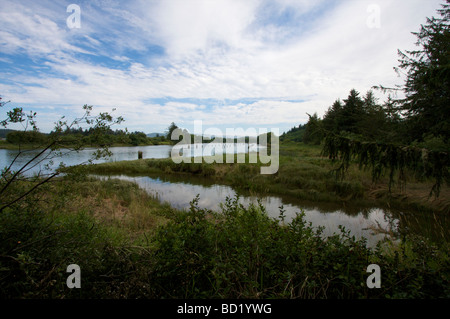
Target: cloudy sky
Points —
{"points": [[229, 63]]}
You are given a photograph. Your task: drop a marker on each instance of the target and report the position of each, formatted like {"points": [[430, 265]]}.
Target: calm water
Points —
{"points": [[372, 223], [119, 154], [74, 158]]}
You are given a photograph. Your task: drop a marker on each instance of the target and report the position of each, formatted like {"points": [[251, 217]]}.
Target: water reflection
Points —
{"points": [[212, 149], [179, 195], [126, 153], [70, 158]]}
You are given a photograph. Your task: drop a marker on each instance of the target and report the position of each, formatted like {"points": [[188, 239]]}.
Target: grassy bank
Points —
{"points": [[128, 245], [105, 227], [303, 174]]}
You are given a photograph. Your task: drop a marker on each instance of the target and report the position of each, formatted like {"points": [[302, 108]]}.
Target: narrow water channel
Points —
{"points": [[372, 223]]}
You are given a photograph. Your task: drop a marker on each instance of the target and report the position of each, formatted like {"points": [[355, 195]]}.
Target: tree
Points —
{"points": [[27, 137], [373, 122], [294, 134], [351, 113], [426, 104], [331, 117], [417, 126], [356, 116], [172, 127], [15, 186], [138, 138], [313, 130]]}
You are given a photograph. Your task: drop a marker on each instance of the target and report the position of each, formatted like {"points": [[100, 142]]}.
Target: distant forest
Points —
{"points": [[363, 118], [85, 136]]}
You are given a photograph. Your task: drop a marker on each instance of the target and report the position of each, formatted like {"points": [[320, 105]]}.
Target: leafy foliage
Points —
{"points": [[294, 134], [237, 253], [410, 133], [313, 133], [395, 159], [427, 85], [46, 150], [242, 253]]}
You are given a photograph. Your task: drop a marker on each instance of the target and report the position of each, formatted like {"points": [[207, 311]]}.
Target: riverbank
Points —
{"points": [[128, 245], [303, 174]]}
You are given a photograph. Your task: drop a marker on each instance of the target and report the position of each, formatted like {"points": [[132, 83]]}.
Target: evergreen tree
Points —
{"points": [[427, 86], [352, 113], [172, 127], [313, 130], [373, 123], [331, 117]]}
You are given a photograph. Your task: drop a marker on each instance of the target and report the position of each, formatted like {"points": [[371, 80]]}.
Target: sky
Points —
{"points": [[259, 64]]}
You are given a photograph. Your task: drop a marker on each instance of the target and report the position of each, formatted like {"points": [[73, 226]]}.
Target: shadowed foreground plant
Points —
{"points": [[242, 253]]}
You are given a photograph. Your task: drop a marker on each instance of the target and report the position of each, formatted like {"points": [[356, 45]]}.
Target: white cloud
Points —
{"points": [[185, 27], [26, 31], [211, 49]]}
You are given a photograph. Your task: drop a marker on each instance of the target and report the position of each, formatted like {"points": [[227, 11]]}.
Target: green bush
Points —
{"points": [[239, 252], [242, 253]]}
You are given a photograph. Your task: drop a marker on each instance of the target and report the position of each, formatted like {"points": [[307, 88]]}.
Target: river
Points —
{"points": [[373, 223]]}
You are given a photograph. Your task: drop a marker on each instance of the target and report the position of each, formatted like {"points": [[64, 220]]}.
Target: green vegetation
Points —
{"points": [[97, 225], [241, 253], [77, 136], [303, 174], [408, 133], [130, 246]]}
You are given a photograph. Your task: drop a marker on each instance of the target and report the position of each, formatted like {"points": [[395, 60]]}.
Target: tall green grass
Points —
{"points": [[302, 174]]}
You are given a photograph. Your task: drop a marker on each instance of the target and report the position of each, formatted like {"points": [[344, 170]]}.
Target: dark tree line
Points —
{"points": [[88, 136], [356, 116]]}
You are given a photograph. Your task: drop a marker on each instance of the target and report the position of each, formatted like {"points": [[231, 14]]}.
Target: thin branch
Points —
{"points": [[29, 191], [23, 167]]}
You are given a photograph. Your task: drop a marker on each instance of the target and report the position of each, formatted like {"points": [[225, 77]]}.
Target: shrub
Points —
{"points": [[242, 253]]}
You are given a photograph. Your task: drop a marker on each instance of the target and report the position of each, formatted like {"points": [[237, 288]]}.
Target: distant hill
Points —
{"points": [[155, 134], [294, 134]]}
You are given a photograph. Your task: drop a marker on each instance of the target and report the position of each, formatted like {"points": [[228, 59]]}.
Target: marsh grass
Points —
{"points": [[129, 245], [303, 174], [120, 205], [103, 226]]}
